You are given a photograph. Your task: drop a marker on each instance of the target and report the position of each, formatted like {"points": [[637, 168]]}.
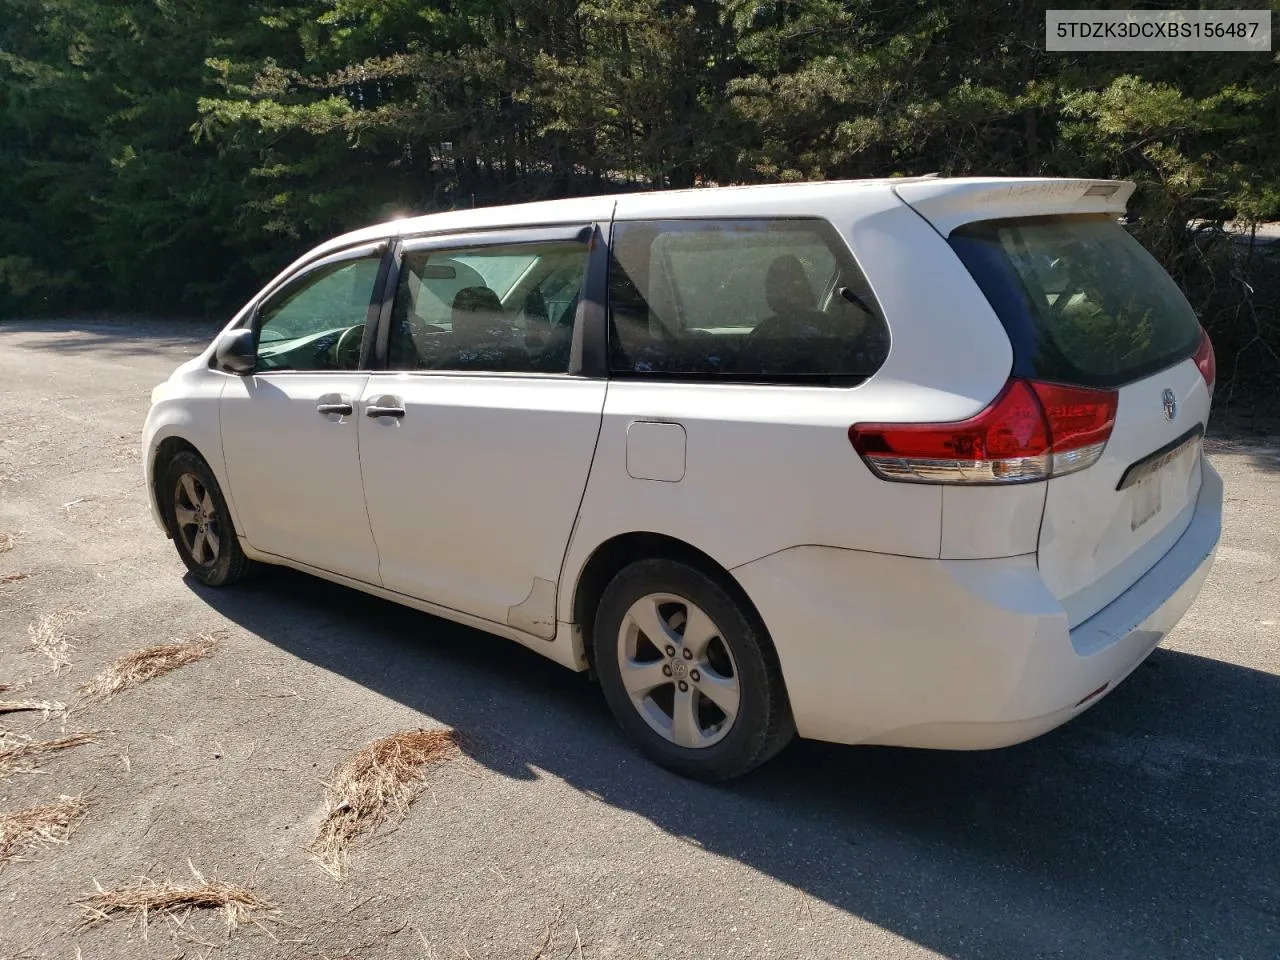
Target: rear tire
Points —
{"points": [[199, 522], [689, 674]]}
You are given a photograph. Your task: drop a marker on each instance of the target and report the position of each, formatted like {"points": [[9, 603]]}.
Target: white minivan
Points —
{"points": [[908, 461]]}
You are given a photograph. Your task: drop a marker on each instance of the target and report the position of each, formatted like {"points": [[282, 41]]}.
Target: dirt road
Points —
{"points": [[1148, 828]]}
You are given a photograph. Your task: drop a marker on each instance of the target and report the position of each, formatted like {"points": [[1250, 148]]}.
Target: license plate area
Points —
{"points": [[1147, 494], [1146, 500], [1155, 461]]}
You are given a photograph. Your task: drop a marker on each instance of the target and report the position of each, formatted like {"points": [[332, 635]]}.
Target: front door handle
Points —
{"points": [[375, 412], [334, 405]]}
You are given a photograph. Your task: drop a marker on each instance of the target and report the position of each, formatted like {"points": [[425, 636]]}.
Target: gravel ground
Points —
{"points": [[1150, 827]]}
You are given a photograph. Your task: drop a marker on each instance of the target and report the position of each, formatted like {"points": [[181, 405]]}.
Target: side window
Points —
{"points": [[500, 309], [316, 322], [740, 300]]}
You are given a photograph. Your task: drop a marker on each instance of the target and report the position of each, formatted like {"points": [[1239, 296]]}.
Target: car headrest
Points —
{"points": [[786, 286]]}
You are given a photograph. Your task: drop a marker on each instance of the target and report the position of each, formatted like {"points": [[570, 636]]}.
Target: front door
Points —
{"points": [[289, 430], [477, 441]]}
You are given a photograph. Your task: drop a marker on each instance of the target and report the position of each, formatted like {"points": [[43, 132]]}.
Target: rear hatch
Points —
{"points": [[1085, 305]]}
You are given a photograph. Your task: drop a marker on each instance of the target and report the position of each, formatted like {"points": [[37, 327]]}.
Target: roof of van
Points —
{"points": [[949, 194]]}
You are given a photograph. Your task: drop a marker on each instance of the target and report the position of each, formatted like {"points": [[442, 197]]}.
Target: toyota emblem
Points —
{"points": [[1170, 403]]}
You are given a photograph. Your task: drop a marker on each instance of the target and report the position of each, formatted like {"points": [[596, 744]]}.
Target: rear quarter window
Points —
{"points": [[759, 300], [1081, 299]]}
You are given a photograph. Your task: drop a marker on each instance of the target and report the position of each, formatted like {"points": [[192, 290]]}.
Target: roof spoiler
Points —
{"points": [[948, 204]]}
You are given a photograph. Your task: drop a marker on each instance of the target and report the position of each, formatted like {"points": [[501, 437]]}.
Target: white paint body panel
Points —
{"points": [[1089, 551], [472, 495], [980, 523], [959, 654], [296, 472], [902, 613], [185, 407]]}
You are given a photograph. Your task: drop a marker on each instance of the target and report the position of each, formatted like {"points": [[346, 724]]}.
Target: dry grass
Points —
{"points": [[50, 638], [19, 754], [142, 665], [14, 577], [7, 542], [35, 826], [19, 706], [379, 782], [145, 898]]}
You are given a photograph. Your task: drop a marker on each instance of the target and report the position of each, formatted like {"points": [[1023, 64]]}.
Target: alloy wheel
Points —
{"points": [[196, 519], [678, 670]]}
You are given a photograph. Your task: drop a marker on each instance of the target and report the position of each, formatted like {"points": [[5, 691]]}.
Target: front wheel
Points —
{"points": [[688, 673], [200, 523]]}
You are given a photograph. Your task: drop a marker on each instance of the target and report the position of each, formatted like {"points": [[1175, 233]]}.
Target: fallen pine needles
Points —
{"points": [[19, 754], [46, 824], [140, 666], [379, 782], [44, 706], [146, 897], [50, 638]]}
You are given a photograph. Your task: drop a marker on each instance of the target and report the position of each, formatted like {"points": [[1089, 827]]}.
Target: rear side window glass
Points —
{"points": [[1082, 300], [496, 309], [740, 300]]}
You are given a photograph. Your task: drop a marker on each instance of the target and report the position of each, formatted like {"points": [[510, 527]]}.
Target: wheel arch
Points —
{"points": [[621, 550], [163, 452]]}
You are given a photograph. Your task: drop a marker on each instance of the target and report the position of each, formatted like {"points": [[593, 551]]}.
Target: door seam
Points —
{"points": [[357, 405], [577, 516]]}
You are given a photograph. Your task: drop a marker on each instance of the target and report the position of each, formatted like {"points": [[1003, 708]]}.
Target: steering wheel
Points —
{"points": [[346, 352]]}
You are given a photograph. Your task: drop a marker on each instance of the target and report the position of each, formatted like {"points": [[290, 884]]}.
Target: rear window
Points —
{"points": [[1080, 298], [756, 300]]}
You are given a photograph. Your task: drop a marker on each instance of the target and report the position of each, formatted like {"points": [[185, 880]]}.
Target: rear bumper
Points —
{"points": [[959, 654]]}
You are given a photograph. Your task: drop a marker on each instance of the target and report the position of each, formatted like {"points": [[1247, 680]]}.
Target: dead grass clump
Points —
{"points": [[142, 665], [36, 826], [19, 754], [7, 542], [50, 638], [146, 897], [19, 706], [379, 782]]}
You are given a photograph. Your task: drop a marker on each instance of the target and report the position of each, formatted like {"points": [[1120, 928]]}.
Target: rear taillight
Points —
{"points": [[1205, 361], [1031, 431]]}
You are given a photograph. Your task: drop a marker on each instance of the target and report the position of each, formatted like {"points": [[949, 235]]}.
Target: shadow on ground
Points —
{"points": [[1150, 827], [115, 338], [1262, 453]]}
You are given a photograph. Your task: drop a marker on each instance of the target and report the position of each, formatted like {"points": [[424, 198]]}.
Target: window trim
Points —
{"points": [[498, 237], [824, 380], [585, 343]]}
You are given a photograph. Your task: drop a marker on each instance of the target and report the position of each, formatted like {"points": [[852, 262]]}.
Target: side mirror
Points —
{"points": [[236, 352]]}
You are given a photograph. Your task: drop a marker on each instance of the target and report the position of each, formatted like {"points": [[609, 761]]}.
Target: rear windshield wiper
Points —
{"points": [[856, 300]]}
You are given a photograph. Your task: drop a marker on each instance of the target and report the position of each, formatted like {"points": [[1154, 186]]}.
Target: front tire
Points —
{"points": [[200, 523], [688, 673]]}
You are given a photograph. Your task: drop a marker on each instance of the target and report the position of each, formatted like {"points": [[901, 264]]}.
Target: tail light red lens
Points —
{"points": [[1031, 431], [1206, 361]]}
